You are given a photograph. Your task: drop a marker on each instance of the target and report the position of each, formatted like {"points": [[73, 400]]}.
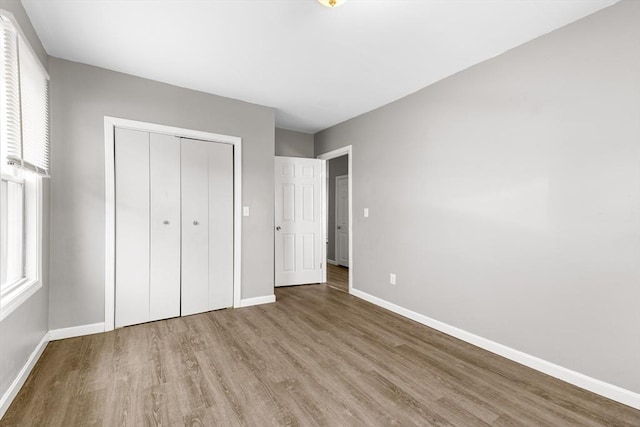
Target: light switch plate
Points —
{"points": [[245, 211], [366, 212], [392, 278]]}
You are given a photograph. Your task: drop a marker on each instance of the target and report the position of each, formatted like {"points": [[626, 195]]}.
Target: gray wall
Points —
{"points": [[81, 96], [23, 329], [506, 198], [338, 166], [290, 143]]}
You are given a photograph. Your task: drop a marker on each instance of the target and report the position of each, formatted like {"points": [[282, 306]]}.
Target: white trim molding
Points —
{"points": [[76, 331], [248, 302], [20, 294], [602, 388], [348, 151], [110, 123], [332, 262], [18, 382]]}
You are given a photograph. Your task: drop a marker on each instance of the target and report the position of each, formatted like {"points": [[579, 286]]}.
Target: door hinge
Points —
{"points": [[320, 266]]}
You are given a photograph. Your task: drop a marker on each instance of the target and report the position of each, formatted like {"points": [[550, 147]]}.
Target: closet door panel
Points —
{"points": [[164, 289], [220, 226], [132, 227], [195, 230]]}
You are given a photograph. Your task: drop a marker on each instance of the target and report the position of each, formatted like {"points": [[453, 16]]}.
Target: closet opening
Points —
{"points": [[173, 222]]}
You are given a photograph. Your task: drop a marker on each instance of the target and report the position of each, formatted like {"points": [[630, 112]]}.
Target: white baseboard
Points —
{"points": [[76, 331], [248, 302], [602, 388], [16, 385], [332, 262]]}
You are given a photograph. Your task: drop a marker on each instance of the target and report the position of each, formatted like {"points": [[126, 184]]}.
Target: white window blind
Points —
{"points": [[24, 103], [10, 132]]}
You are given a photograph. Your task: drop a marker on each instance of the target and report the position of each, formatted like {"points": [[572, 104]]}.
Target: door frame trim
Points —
{"points": [[335, 242], [348, 151], [110, 123]]}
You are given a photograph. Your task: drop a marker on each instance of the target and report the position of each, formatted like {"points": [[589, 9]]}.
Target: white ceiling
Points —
{"points": [[316, 66]]}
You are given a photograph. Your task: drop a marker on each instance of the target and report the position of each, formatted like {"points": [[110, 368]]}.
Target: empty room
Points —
{"points": [[320, 212]]}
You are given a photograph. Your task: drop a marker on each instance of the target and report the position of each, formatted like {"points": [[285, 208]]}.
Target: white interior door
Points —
{"points": [[132, 227], [298, 221], [195, 226], [342, 220], [220, 226], [164, 267]]}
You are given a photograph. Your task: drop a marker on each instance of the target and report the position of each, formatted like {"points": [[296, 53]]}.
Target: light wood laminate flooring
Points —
{"points": [[315, 357]]}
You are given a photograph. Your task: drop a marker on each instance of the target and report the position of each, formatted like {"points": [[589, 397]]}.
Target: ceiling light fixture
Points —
{"points": [[331, 3]]}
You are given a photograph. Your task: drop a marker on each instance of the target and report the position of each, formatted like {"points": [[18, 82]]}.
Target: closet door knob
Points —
{"points": [[165, 222], [195, 222]]}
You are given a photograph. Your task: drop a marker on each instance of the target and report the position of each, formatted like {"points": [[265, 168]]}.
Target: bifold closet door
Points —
{"points": [[207, 226], [164, 266], [147, 227], [220, 226], [195, 226], [132, 227], [174, 226]]}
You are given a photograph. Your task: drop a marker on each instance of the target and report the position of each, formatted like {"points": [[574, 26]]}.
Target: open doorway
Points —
{"points": [[338, 225]]}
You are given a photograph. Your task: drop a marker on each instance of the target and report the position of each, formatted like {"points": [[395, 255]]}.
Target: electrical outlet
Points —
{"points": [[245, 211], [366, 212], [392, 278]]}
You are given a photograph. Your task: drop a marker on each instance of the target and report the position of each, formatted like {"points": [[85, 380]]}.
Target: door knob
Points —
{"points": [[195, 223], [165, 222], [278, 228], [339, 227]]}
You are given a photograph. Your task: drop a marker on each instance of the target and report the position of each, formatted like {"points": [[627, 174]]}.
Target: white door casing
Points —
{"points": [[298, 221], [342, 220], [164, 193]]}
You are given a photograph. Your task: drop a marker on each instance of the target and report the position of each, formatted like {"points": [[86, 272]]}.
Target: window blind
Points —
{"points": [[10, 120], [24, 103]]}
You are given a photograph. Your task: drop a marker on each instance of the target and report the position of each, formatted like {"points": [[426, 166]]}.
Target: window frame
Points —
{"points": [[13, 295], [9, 178]]}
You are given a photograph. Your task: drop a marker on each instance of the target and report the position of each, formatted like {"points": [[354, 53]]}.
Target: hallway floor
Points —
{"points": [[338, 277]]}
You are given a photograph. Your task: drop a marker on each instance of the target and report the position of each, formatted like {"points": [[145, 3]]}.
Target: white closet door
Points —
{"points": [[220, 226], [132, 227], [164, 289], [195, 226]]}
